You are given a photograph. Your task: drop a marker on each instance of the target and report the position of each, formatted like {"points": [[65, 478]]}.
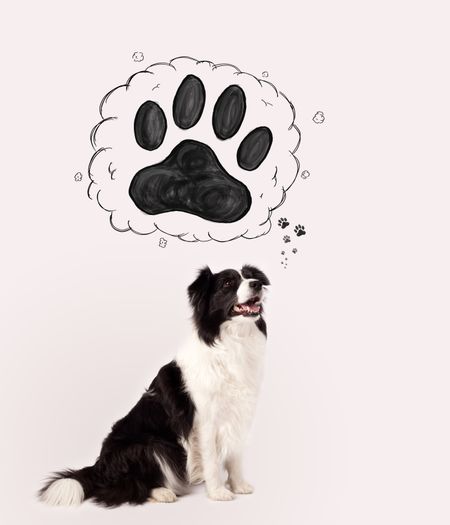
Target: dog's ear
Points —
{"points": [[250, 271], [198, 290]]}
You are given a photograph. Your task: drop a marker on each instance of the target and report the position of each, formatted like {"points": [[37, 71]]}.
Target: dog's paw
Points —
{"points": [[163, 495], [241, 487], [220, 494]]}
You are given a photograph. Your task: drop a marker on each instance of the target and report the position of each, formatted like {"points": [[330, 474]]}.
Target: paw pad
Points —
{"points": [[196, 150]]}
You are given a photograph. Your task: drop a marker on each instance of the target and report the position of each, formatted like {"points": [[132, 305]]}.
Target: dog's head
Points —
{"points": [[229, 295]]}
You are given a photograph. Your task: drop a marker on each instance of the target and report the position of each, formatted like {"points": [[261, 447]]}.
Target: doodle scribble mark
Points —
{"points": [[283, 222], [162, 242], [286, 239], [190, 179], [319, 117], [305, 174], [299, 230], [138, 56], [78, 176], [111, 170]]}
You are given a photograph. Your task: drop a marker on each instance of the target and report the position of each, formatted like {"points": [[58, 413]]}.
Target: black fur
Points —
{"points": [[126, 469]]}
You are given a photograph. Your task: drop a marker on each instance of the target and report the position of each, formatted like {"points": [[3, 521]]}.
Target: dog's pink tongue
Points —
{"points": [[254, 308]]}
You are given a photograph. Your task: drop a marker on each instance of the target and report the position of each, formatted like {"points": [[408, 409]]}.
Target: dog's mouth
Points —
{"points": [[250, 308]]}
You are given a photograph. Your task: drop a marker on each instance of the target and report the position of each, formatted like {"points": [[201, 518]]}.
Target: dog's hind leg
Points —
{"points": [[163, 495]]}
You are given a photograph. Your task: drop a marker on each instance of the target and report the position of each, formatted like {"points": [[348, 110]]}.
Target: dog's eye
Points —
{"points": [[227, 283]]}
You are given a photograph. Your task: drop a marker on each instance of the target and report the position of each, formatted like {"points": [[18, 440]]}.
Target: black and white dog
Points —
{"points": [[192, 421]]}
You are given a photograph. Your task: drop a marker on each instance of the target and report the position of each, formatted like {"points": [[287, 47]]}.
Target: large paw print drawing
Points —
{"points": [[194, 150]]}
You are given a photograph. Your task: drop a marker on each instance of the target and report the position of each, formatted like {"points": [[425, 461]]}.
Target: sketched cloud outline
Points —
{"points": [[118, 156]]}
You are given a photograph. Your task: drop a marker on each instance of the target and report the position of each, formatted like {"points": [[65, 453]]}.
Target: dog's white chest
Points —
{"points": [[224, 381]]}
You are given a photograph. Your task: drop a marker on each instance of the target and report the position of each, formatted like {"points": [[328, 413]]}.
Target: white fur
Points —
{"points": [[223, 382], [244, 292], [66, 491], [172, 481], [163, 495]]}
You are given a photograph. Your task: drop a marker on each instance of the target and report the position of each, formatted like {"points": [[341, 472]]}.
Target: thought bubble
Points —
{"points": [[194, 150]]}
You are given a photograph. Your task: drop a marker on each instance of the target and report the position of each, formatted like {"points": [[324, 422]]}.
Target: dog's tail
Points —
{"points": [[69, 487]]}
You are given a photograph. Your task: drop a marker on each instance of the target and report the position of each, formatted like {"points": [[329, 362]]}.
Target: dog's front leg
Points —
{"points": [[233, 465], [212, 465]]}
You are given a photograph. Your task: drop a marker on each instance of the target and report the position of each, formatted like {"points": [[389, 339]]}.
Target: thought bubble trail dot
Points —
{"points": [[305, 174], [162, 242], [265, 74], [319, 117], [78, 176]]}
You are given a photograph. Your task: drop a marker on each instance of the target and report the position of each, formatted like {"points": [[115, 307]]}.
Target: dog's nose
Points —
{"points": [[255, 285]]}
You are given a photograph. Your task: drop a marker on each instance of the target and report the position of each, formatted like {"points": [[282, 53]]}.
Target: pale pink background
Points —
{"points": [[352, 426]]}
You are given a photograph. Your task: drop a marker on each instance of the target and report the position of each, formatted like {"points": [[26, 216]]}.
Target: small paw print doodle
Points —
{"points": [[283, 252], [162, 242], [319, 117], [305, 174], [299, 230], [294, 250], [138, 56], [208, 155], [286, 239], [283, 222], [78, 176]]}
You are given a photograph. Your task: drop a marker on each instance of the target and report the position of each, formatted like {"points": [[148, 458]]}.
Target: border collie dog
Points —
{"points": [[190, 425]]}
